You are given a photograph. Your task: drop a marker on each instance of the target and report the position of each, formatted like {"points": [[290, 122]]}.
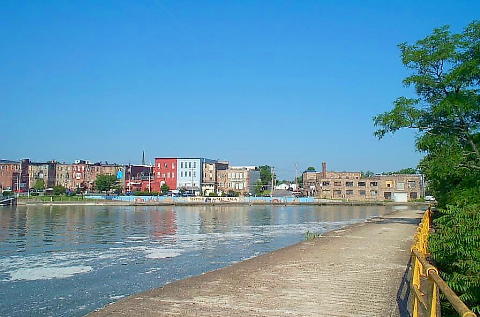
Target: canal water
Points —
{"points": [[71, 260]]}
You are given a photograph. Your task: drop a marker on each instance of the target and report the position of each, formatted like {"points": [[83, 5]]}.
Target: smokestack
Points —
{"points": [[324, 170]]}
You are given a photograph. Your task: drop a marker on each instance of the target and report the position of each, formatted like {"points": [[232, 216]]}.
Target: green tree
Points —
{"points": [[39, 184], [164, 189], [265, 174], [409, 170], [59, 190], [311, 169], [446, 116], [367, 174], [105, 182], [258, 190]]}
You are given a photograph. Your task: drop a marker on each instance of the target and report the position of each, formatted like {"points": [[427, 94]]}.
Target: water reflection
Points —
{"points": [[69, 260]]}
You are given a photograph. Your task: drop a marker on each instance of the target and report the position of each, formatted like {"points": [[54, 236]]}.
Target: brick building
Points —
{"points": [[352, 186], [9, 175], [240, 179], [42, 171], [165, 172], [64, 175], [210, 173]]}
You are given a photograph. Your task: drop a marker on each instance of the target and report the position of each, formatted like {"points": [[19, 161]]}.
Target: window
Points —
{"points": [[325, 183], [373, 193], [362, 184], [412, 184], [373, 184], [349, 184], [400, 186], [168, 175], [173, 165], [387, 195], [173, 175], [189, 164], [189, 174], [240, 186], [181, 164], [413, 195], [158, 165], [361, 192], [337, 193], [194, 164], [389, 184], [337, 183], [165, 165], [349, 192], [181, 173]]}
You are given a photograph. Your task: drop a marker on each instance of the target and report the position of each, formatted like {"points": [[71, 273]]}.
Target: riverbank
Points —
{"points": [[319, 202], [356, 271]]}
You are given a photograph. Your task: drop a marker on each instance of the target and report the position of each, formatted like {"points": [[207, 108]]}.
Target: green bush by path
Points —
{"points": [[455, 249]]}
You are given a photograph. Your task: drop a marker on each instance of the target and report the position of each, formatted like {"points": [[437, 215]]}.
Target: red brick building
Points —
{"points": [[9, 175], [165, 172]]}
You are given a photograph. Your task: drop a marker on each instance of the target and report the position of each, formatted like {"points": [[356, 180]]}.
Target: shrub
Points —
{"points": [[455, 249]]}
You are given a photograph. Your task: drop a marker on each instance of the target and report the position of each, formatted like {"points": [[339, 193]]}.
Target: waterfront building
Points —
{"points": [[240, 179], [64, 175], [352, 186], [210, 171], [165, 171], [41, 171], [139, 178], [189, 174], [85, 173], [9, 175]]}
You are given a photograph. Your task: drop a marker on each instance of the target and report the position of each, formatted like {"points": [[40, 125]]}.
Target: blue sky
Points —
{"points": [[252, 82]]}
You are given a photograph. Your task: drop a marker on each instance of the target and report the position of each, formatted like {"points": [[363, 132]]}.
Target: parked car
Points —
{"points": [[429, 198]]}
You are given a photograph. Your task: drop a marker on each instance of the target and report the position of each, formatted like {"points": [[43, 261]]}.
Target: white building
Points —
{"points": [[190, 172]]}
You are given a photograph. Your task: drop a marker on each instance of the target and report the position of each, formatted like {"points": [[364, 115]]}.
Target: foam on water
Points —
{"points": [[161, 253], [46, 273]]}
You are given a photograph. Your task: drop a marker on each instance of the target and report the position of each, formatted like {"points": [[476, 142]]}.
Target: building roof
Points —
{"points": [[8, 162]]}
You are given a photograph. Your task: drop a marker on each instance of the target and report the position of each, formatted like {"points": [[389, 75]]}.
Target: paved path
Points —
{"points": [[352, 272]]}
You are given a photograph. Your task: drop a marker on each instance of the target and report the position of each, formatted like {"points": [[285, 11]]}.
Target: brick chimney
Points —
{"points": [[324, 170]]}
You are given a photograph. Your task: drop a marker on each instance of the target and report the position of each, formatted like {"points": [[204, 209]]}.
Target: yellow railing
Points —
{"points": [[426, 283]]}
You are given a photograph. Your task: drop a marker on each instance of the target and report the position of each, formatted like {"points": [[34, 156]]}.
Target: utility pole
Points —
{"points": [[272, 169], [296, 179], [150, 178]]}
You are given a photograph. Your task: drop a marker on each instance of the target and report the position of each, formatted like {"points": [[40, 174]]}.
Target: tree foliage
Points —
{"points": [[59, 190], [446, 116], [105, 182], [408, 170], [311, 169], [39, 184], [164, 188], [265, 174]]}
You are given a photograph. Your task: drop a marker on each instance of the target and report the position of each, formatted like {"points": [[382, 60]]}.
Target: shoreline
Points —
{"points": [[257, 203], [248, 287]]}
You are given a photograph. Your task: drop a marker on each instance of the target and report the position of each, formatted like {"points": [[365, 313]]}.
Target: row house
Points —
{"points": [[9, 175], [210, 176], [196, 175], [351, 186], [85, 173], [64, 175], [241, 179], [139, 178], [46, 172]]}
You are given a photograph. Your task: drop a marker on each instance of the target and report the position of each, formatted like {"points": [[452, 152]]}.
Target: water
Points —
{"points": [[71, 260]]}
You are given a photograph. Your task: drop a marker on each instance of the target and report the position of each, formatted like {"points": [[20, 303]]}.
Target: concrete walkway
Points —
{"points": [[352, 272]]}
